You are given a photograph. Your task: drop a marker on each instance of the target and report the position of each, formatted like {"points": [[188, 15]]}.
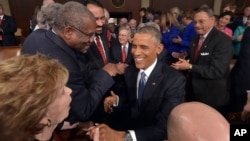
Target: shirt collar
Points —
{"points": [[149, 69], [126, 46], [205, 35]]}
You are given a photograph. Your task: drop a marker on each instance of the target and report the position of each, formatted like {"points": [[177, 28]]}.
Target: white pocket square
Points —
{"points": [[204, 53]]}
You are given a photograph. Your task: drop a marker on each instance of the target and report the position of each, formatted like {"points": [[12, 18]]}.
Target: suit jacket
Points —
{"points": [[210, 71], [84, 101], [116, 54], [241, 75], [165, 88], [93, 57], [9, 27]]}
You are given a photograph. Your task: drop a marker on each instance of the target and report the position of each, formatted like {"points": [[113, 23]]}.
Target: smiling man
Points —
{"points": [[153, 90], [210, 55]]}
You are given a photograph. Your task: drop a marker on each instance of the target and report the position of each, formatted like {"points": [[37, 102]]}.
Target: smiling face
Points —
{"points": [[98, 12], [80, 38], [145, 49], [223, 21], [203, 22], [124, 36]]}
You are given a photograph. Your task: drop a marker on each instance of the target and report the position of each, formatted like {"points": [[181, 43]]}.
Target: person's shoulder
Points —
{"points": [[217, 34], [169, 71], [247, 30]]}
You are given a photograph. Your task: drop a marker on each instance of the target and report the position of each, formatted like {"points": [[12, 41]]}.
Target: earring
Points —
{"points": [[49, 123]]}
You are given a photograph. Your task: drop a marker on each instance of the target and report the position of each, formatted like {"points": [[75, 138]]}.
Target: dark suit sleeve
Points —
{"points": [[174, 92], [217, 66], [85, 101], [244, 59], [10, 27]]}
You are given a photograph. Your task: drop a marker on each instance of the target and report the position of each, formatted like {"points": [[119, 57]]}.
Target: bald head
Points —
{"points": [[196, 121]]}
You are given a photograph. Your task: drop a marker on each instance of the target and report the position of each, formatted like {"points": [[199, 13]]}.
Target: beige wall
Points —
{"points": [[145, 3], [217, 6], [6, 6]]}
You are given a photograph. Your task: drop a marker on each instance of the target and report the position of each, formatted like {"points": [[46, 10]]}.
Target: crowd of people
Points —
{"points": [[136, 80]]}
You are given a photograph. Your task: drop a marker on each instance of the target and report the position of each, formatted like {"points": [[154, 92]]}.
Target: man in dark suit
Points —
{"points": [[98, 55], [8, 28], [210, 55], [69, 38], [149, 107], [121, 51], [240, 75]]}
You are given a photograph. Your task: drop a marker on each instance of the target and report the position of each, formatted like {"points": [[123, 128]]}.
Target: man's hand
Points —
{"points": [[109, 102], [113, 69], [108, 134], [121, 67], [179, 55], [182, 64]]}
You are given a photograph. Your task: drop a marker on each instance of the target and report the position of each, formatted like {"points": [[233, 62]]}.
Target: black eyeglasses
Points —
{"points": [[90, 35]]}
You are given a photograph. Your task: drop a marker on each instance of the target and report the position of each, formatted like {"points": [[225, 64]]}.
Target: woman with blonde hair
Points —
{"points": [[170, 31], [33, 97]]}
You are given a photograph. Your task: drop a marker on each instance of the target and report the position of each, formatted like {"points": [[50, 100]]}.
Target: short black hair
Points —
{"points": [[229, 13], [143, 9], [93, 2]]}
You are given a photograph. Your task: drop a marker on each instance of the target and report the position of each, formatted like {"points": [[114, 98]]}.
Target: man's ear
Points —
{"points": [[67, 32], [159, 48]]}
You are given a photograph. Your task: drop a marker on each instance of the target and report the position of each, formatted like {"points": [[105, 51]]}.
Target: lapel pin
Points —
{"points": [[205, 46], [153, 83]]}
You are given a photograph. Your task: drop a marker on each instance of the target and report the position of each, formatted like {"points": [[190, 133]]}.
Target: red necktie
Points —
{"points": [[1, 36], [197, 49], [101, 50], [124, 54]]}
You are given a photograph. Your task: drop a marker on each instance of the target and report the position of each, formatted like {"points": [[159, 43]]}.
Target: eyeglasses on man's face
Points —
{"points": [[90, 35]]}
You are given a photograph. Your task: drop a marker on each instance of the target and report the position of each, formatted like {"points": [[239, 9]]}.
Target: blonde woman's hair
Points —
{"points": [[28, 85]]}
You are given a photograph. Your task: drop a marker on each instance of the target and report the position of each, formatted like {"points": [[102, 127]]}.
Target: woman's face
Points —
{"points": [[223, 21], [58, 110]]}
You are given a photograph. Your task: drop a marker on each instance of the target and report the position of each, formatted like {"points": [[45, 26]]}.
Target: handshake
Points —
{"points": [[114, 69]]}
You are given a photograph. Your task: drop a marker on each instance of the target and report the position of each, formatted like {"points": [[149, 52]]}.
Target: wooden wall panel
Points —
{"points": [[130, 6]]}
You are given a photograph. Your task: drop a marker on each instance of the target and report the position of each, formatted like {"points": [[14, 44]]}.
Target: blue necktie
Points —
{"points": [[142, 83]]}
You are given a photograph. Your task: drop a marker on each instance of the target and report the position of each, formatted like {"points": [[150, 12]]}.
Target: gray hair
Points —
{"points": [[46, 16], [125, 27], [207, 10], [152, 30], [73, 14]]}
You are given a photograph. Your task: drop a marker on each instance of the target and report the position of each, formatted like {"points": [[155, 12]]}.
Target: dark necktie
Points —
{"points": [[124, 54], [142, 83], [197, 49], [101, 49], [1, 36]]}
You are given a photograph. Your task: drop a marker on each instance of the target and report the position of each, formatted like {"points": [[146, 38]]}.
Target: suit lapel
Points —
{"points": [[129, 54], [151, 85], [203, 47]]}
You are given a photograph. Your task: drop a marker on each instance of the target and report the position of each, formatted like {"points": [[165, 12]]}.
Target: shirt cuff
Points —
{"points": [[132, 133], [117, 102]]}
